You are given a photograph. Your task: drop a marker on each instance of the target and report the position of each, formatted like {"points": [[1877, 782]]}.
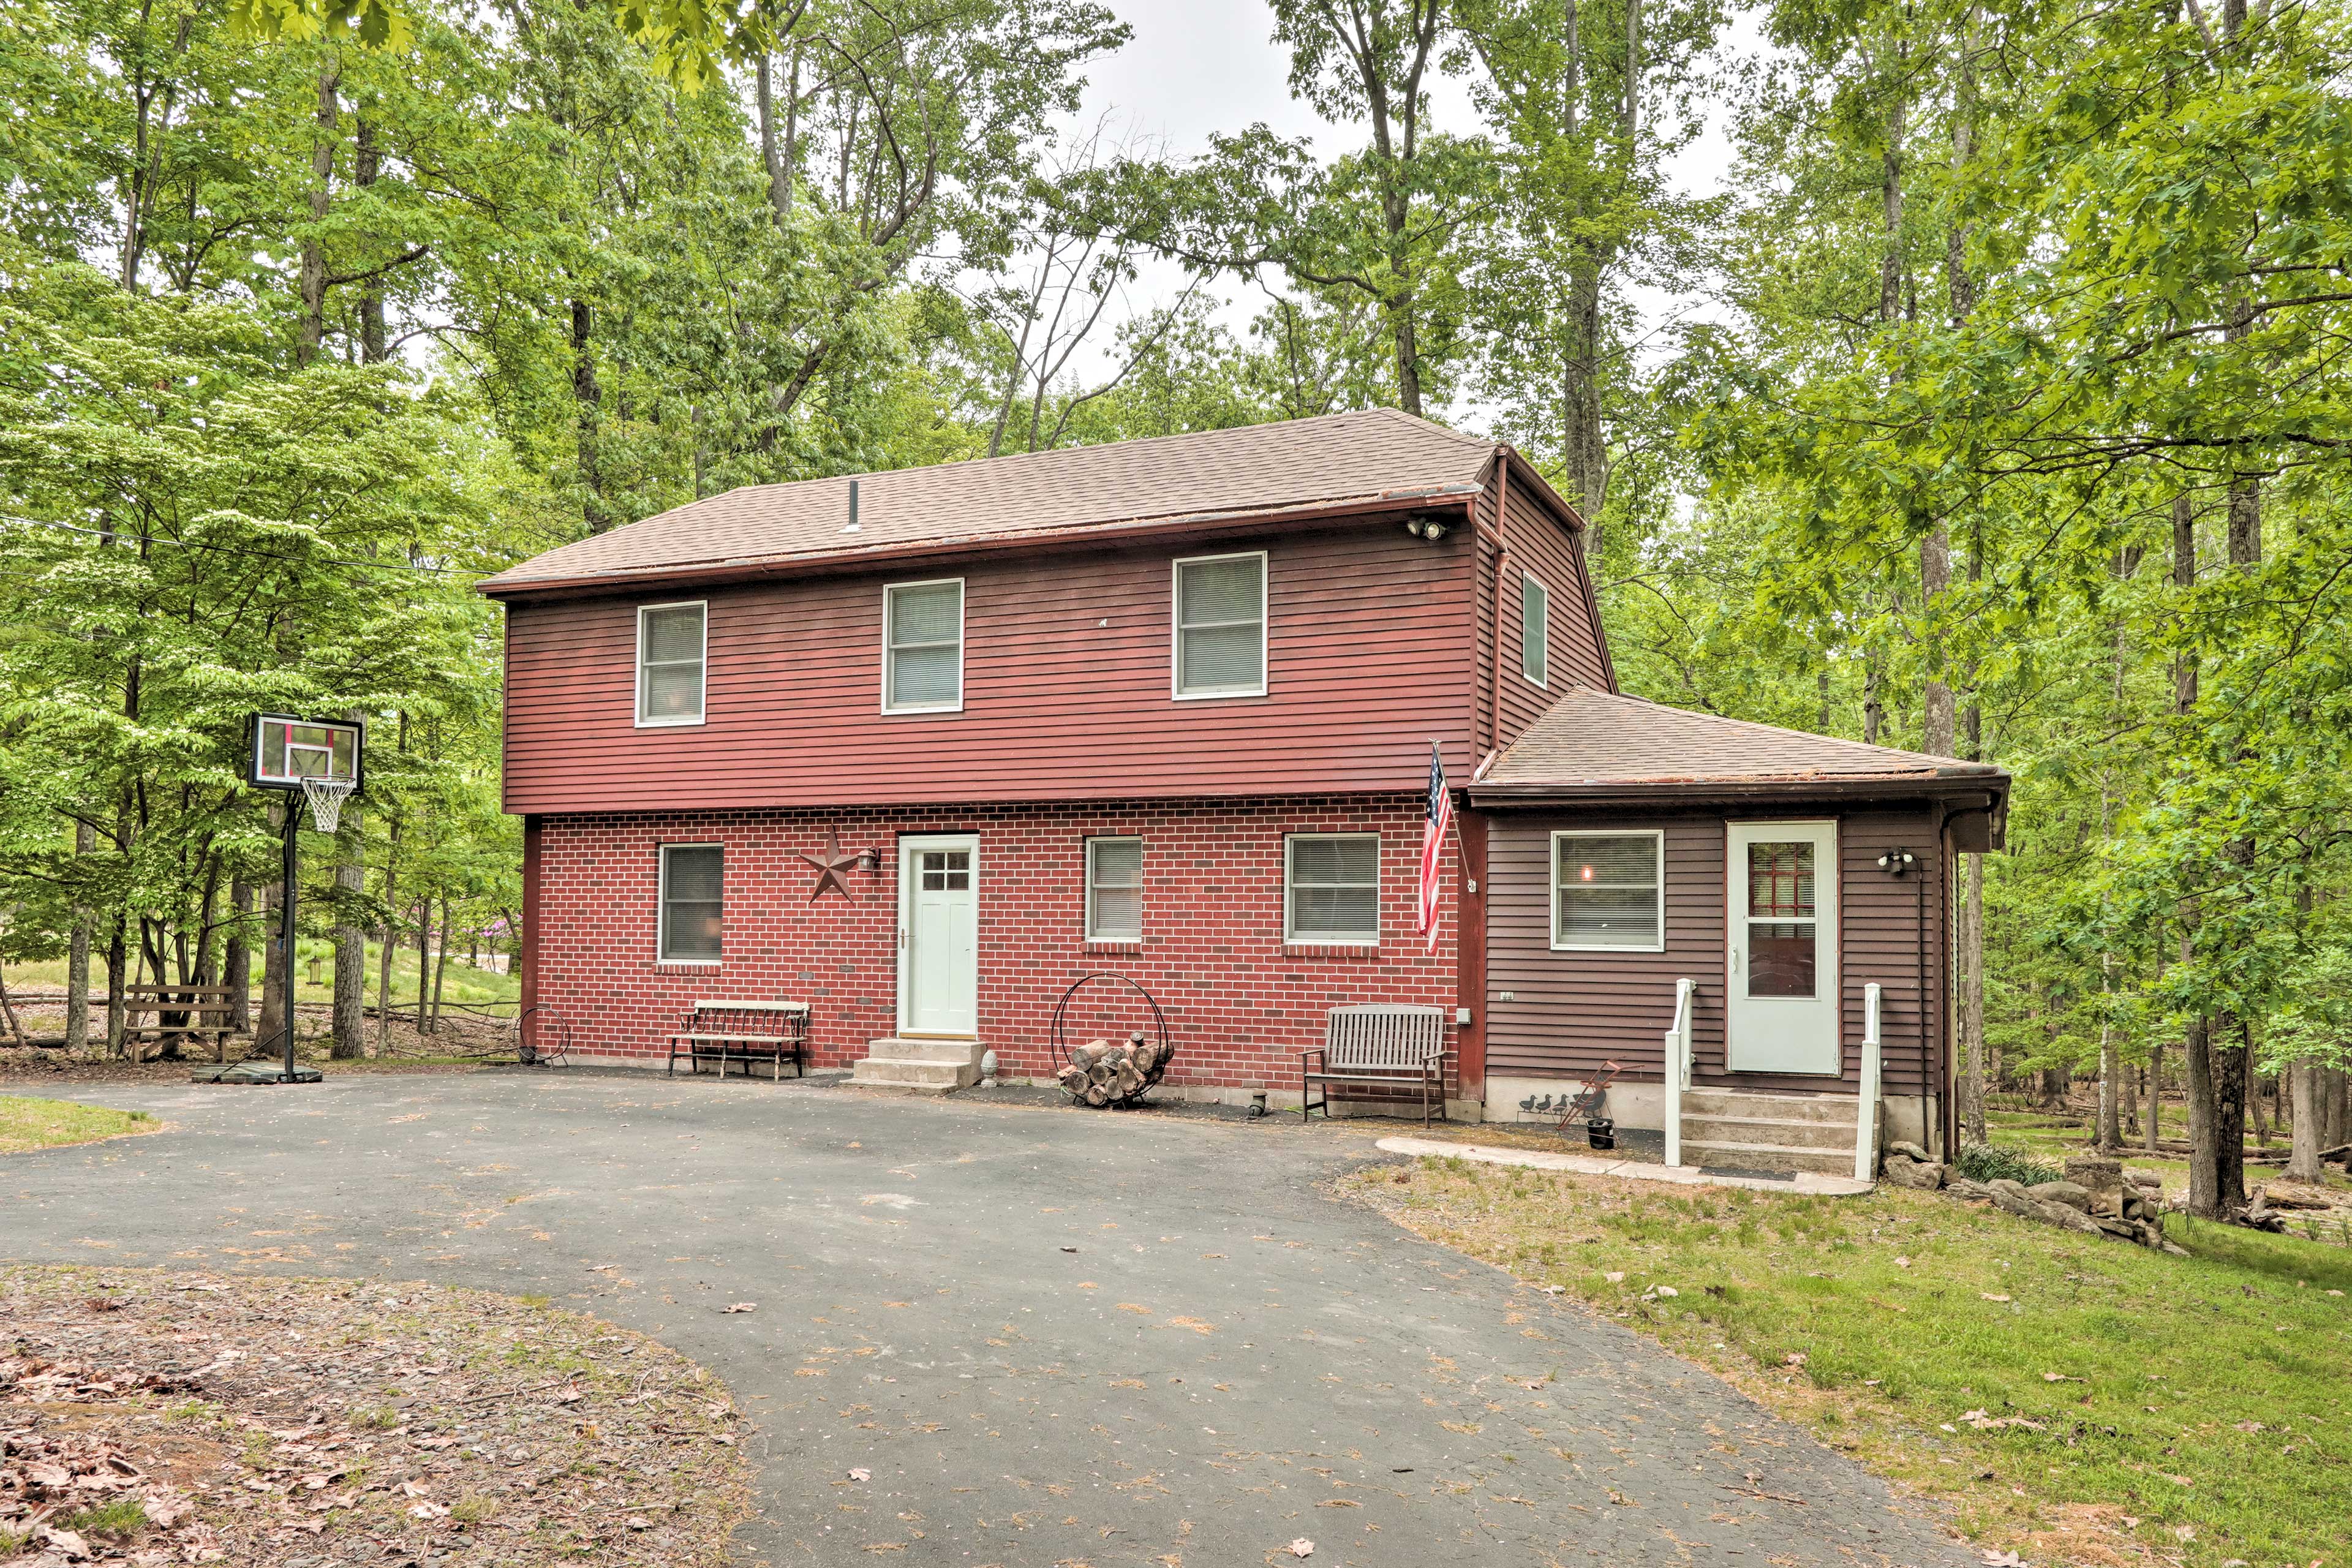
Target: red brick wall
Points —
{"points": [[1238, 1000]]}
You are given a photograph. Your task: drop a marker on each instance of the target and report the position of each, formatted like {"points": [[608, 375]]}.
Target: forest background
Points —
{"points": [[1996, 406]]}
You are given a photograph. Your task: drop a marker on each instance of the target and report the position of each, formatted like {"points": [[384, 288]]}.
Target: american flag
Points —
{"points": [[1440, 816]]}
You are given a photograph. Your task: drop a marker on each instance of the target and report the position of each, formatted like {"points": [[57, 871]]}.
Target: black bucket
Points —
{"points": [[1600, 1133]]}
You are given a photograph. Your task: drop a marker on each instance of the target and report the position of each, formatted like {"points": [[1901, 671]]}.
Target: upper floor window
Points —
{"points": [[671, 642], [1332, 889], [692, 910], [1114, 889], [1535, 629], [922, 655], [1608, 891], [1221, 626]]}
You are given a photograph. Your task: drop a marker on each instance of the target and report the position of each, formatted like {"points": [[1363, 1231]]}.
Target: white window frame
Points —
{"points": [[1289, 858], [1136, 840], [889, 706], [661, 906], [1176, 625], [1543, 643], [702, 709], [1657, 838]]}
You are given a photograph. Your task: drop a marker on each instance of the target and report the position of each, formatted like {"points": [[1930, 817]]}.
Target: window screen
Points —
{"points": [[1115, 889], [1221, 626], [924, 663], [691, 908], [669, 664], [1606, 889], [1335, 887], [1535, 630]]}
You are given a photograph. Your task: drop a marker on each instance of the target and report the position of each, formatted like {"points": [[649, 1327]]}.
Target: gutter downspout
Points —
{"points": [[1502, 567]]}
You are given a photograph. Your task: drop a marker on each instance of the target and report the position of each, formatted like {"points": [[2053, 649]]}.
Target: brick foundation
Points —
{"points": [[1239, 1001]]}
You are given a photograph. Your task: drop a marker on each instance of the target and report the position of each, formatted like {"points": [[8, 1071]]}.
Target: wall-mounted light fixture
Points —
{"points": [[1897, 861], [1427, 528]]}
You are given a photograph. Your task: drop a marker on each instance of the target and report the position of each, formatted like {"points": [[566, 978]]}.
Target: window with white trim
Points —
{"points": [[922, 652], [1608, 891], [1535, 629], [1331, 887], [1114, 889], [693, 910], [671, 642], [1221, 626]]}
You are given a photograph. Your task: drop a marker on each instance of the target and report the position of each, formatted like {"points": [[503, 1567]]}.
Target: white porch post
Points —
{"points": [[1678, 1070]]}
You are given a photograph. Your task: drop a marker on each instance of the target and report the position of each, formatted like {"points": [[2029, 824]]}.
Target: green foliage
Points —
{"points": [[1996, 1162]]}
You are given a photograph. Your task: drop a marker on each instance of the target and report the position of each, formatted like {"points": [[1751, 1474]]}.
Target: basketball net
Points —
{"points": [[326, 798]]}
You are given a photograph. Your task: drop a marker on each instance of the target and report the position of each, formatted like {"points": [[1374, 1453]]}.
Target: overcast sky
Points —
{"points": [[1195, 67]]}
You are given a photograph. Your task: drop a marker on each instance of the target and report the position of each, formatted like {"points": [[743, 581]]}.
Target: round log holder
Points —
{"points": [[1163, 1051]]}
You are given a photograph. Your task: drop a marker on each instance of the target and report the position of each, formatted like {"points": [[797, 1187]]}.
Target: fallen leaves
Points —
{"points": [[1302, 1547], [740, 1307]]}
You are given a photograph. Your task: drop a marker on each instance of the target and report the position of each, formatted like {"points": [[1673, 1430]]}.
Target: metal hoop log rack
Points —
{"points": [[529, 1052], [1118, 1076]]}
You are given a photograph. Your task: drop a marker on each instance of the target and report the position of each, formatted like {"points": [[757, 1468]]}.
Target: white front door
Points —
{"points": [[1782, 984], [939, 934]]}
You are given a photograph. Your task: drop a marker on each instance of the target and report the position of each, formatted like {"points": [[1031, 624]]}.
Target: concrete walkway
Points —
{"points": [[1809, 1181], [1050, 1337]]}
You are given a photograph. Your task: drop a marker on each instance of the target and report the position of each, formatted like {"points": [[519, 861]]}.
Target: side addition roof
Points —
{"points": [[1598, 745], [1376, 457]]}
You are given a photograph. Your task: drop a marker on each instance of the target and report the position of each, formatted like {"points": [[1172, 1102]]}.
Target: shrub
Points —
{"points": [[1989, 1162]]}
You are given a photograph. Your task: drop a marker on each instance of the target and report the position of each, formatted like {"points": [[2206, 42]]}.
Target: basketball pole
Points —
{"points": [[286, 926]]}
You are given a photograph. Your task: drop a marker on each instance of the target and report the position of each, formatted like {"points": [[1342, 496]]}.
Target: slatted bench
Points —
{"points": [[201, 1009], [1393, 1045], [743, 1032]]}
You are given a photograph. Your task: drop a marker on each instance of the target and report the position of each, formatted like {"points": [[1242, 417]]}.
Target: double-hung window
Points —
{"points": [[1114, 889], [671, 643], [1535, 629], [693, 911], [1221, 626], [922, 652], [1331, 887], [1608, 891]]}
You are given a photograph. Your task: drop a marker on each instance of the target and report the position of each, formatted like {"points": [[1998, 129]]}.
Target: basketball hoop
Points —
{"points": [[326, 798]]}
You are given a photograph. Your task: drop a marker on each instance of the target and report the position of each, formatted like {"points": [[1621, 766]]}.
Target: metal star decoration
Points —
{"points": [[829, 866]]}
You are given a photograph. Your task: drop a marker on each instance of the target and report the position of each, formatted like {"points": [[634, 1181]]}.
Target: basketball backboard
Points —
{"points": [[287, 750]]}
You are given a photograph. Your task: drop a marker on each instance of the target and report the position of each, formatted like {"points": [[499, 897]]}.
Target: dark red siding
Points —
{"points": [[1066, 692], [1531, 538], [1240, 1001], [1571, 1011]]}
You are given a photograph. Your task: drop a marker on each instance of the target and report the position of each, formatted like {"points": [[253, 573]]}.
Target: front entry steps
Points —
{"points": [[1749, 1130], [917, 1067]]}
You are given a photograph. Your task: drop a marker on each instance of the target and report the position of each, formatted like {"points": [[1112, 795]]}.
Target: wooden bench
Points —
{"points": [[1391, 1045], [202, 1010], [743, 1032]]}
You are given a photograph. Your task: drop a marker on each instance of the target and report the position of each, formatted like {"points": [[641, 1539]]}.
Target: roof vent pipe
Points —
{"points": [[853, 508]]}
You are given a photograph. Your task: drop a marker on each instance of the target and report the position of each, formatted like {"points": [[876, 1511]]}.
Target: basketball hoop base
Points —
{"points": [[253, 1072]]}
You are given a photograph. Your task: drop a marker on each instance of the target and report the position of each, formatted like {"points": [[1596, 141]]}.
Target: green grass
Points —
{"points": [[2210, 1394], [121, 1515], [28, 1124], [463, 983]]}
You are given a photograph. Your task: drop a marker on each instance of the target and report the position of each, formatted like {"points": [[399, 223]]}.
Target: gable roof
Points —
{"points": [[1599, 743], [1376, 456]]}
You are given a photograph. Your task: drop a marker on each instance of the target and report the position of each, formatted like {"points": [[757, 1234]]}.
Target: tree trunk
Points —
{"points": [[2155, 1093], [236, 959], [78, 951], [2302, 1157], [2110, 1122], [424, 962], [115, 982], [383, 949], [366, 162], [587, 400], [1936, 698], [349, 1041], [312, 329], [441, 964], [269, 1030]]}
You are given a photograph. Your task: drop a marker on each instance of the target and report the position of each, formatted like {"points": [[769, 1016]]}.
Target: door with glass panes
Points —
{"points": [[939, 934], [1781, 984]]}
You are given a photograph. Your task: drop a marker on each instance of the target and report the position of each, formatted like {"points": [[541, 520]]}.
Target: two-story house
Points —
{"points": [[1165, 707]]}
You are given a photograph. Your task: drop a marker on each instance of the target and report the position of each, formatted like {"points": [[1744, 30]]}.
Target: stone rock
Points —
{"points": [[2067, 1215], [1924, 1175], [2013, 1188], [2073, 1194], [2145, 1179], [1910, 1151], [1961, 1187]]}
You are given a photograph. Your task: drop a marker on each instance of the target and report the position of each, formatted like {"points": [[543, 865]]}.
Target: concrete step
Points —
{"points": [[1742, 1156], [906, 1048], [913, 1078], [1837, 1107], [1784, 1131]]}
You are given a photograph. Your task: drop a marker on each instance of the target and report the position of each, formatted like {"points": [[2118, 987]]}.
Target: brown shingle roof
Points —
{"points": [[1378, 454], [1600, 742]]}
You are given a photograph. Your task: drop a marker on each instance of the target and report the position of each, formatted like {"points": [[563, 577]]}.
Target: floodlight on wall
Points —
{"points": [[1427, 528], [1897, 861]]}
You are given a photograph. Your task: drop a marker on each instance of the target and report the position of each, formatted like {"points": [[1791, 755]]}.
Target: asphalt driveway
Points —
{"points": [[1051, 1338]]}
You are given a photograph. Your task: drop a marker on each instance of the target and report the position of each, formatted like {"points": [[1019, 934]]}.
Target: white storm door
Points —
{"points": [[1782, 984], [939, 934]]}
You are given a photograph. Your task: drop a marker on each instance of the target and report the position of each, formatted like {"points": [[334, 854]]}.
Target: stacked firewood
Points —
{"points": [[1104, 1072]]}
